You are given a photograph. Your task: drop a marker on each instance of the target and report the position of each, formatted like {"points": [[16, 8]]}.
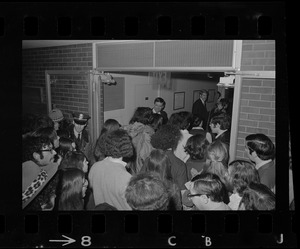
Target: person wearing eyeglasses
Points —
{"points": [[38, 167], [261, 150], [207, 192]]}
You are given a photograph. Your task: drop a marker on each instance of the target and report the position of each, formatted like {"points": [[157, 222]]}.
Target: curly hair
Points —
{"points": [[166, 137], [146, 191], [241, 173], [32, 144], [258, 196], [184, 120], [116, 144], [108, 126], [141, 115], [262, 145], [196, 146]]}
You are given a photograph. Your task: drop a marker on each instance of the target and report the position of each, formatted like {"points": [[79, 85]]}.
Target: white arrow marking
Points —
{"points": [[69, 240]]}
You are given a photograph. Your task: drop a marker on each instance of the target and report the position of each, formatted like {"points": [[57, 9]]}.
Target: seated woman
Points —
{"points": [[207, 192], [71, 190]]}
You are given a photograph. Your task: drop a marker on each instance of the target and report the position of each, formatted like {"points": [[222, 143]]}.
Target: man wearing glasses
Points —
{"points": [[38, 166], [207, 192]]}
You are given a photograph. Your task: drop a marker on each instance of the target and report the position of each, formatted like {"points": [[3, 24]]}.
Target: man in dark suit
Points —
{"points": [[220, 126], [159, 106], [199, 108]]}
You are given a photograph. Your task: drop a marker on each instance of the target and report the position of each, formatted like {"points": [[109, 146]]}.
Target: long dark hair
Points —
{"points": [[69, 190], [159, 162]]}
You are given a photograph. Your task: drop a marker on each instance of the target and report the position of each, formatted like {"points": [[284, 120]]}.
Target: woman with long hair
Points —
{"points": [[65, 145], [217, 163], [159, 162], [108, 126], [71, 190]]}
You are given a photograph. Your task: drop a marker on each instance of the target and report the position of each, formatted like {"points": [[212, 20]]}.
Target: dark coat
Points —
{"points": [[224, 137], [200, 110], [83, 144]]}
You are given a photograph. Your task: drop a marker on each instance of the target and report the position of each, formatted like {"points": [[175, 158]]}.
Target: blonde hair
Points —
{"points": [[217, 153]]}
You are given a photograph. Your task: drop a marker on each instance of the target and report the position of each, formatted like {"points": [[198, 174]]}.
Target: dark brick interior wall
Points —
{"points": [[257, 104], [69, 92]]}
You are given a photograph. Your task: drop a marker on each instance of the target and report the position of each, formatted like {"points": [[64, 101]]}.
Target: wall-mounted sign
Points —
{"points": [[162, 78]]}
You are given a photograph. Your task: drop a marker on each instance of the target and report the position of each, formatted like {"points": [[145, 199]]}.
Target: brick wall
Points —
{"points": [[69, 92], [257, 103]]}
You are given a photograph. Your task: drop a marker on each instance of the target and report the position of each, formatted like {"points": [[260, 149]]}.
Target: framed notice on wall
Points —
{"points": [[179, 100]]}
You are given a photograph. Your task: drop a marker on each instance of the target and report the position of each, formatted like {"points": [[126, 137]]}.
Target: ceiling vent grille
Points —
{"points": [[126, 55], [193, 53], [165, 54]]}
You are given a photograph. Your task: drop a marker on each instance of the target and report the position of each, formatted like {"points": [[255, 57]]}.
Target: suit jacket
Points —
{"points": [[224, 137], [200, 110], [267, 174], [164, 115], [83, 144]]}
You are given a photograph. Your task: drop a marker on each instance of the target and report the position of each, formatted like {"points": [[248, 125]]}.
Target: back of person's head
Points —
{"points": [[73, 159], [240, 174], [141, 115], [116, 144], [160, 100], [166, 137], [46, 132], [70, 189], [196, 147], [197, 121], [158, 162], [257, 196], [183, 120], [223, 120], [110, 125], [28, 123], [211, 185], [42, 121], [262, 145], [32, 144], [146, 191], [224, 103], [217, 151], [155, 121], [65, 145]]}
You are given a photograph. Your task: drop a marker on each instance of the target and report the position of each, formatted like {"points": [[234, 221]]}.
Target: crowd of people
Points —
{"points": [[151, 163]]}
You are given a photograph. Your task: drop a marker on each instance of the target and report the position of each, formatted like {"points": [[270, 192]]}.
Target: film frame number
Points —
{"points": [[86, 241]]}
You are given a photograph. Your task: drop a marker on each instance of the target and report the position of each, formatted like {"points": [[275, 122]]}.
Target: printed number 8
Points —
{"points": [[86, 241]]}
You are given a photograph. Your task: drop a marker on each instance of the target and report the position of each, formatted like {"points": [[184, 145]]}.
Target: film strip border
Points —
{"points": [[142, 20], [223, 20], [151, 229]]}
